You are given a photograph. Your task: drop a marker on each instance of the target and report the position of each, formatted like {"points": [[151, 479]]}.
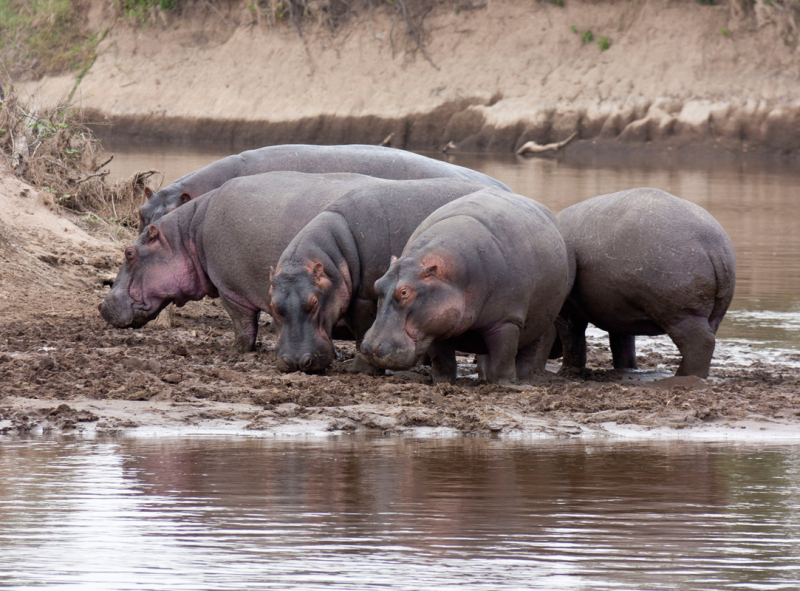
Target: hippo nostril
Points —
{"points": [[284, 359], [306, 361]]}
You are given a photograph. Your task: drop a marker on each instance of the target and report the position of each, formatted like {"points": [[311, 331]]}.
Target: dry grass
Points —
{"points": [[52, 149]]}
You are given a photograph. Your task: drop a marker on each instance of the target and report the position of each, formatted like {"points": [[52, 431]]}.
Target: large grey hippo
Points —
{"points": [[224, 243], [487, 274], [648, 263], [327, 273], [376, 161]]}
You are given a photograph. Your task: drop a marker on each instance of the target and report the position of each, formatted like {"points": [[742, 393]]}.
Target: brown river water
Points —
{"points": [[353, 513], [475, 513]]}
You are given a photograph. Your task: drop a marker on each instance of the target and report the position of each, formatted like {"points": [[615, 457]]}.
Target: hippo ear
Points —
{"points": [[318, 271], [393, 260], [152, 233], [185, 198], [271, 274], [148, 192], [430, 271]]}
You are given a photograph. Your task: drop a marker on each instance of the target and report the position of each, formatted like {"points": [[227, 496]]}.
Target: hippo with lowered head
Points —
{"points": [[648, 263], [376, 161], [487, 274], [327, 273], [222, 245]]}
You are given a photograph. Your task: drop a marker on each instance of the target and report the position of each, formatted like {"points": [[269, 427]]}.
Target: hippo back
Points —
{"points": [[375, 161]]}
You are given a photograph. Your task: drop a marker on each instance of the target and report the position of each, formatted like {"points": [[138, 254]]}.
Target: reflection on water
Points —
{"points": [[755, 203], [356, 513]]}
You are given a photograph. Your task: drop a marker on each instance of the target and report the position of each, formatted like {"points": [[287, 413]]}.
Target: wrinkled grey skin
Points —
{"points": [[328, 272], [221, 245], [648, 263], [487, 274], [376, 161]]}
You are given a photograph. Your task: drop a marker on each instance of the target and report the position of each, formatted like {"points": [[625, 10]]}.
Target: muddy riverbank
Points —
{"points": [[705, 79], [74, 374], [63, 369]]}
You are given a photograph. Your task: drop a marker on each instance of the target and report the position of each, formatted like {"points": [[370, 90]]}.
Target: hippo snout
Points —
{"points": [[387, 355], [308, 363]]}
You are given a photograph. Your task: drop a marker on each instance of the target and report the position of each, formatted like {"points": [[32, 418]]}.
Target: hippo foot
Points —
{"points": [[359, 365], [574, 372]]}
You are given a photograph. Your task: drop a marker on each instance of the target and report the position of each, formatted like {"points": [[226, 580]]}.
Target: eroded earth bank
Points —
{"points": [[63, 369], [697, 77]]}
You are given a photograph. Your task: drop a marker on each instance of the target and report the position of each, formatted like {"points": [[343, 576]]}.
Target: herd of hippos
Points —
{"points": [[416, 259]]}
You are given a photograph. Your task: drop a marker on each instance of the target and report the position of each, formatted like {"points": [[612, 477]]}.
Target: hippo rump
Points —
{"points": [[222, 245], [487, 274], [376, 161], [328, 272], [648, 263]]}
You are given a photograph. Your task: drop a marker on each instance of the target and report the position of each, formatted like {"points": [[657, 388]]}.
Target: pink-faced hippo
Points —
{"points": [[224, 243], [648, 263], [328, 272], [486, 273], [376, 161]]}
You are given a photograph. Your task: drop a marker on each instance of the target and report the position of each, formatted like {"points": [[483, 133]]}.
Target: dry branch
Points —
{"points": [[534, 148]]}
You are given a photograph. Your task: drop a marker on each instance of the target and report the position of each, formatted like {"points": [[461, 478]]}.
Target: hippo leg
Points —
{"points": [[481, 362], [623, 350], [245, 325], [362, 315], [572, 332], [695, 340], [443, 362], [502, 343], [532, 358]]}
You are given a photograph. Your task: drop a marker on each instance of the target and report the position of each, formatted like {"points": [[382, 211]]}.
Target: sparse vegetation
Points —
{"points": [[603, 43], [52, 149], [43, 36], [587, 37]]}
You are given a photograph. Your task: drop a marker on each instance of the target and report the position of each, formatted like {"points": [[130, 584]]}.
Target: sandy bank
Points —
{"points": [[676, 75]]}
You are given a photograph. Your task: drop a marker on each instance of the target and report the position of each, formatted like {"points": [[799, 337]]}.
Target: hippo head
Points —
{"points": [[306, 304], [155, 274], [417, 304], [160, 204]]}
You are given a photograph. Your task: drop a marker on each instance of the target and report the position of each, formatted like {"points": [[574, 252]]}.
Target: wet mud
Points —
{"points": [[78, 374]]}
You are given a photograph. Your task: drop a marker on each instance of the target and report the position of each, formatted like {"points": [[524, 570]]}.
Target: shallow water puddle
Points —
{"points": [[364, 513]]}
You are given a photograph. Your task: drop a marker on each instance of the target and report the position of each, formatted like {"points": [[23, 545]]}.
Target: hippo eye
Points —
{"points": [[403, 293], [130, 253]]}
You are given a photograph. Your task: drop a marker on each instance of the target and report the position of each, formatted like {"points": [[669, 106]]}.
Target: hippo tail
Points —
{"points": [[725, 274]]}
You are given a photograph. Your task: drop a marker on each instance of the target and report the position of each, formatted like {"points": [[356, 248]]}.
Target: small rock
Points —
{"points": [[173, 378]]}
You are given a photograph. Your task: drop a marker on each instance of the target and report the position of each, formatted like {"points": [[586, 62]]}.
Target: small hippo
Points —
{"points": [[487, 274], [376, 161], [222, 245], [648, 263], [328, 272]]}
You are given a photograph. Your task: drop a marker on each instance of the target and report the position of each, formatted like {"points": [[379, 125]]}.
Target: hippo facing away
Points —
{"points": [[487, 274], [648, 263], [375, 161]]}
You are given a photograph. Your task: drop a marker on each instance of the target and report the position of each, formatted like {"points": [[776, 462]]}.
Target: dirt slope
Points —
{"points": [[676, 73]]}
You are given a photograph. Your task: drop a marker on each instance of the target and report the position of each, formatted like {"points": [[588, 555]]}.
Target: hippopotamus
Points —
{"points": [[648, 263], [222, 245], [376, 161], [487, 274], [327, 273]]}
